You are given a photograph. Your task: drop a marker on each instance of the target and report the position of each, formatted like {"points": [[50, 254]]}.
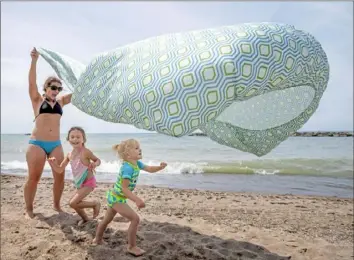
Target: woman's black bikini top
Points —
{"points": [[46, 108]]}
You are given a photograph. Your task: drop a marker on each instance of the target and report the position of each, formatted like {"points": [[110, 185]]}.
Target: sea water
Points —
{"points": [[300, 165]]}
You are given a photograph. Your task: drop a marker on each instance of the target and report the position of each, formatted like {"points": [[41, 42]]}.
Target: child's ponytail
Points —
{"points": [[115, 147], [123, 148]]}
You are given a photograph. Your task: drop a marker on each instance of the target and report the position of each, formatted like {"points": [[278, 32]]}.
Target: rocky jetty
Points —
{"points": [[322, 134], [308, 134]]}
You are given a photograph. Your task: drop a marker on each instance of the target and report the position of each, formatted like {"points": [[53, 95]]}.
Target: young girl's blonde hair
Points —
{"points": [[123, 148]]}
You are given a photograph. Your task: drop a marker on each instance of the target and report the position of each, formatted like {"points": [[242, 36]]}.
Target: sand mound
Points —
{"points": [[161, 240]]}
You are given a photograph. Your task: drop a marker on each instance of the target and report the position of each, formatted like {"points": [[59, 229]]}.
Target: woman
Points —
{"points": [[45, 138]]}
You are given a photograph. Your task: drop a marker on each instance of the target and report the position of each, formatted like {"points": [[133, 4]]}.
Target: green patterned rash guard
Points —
{"points": [[130, 172], [127, 171]]}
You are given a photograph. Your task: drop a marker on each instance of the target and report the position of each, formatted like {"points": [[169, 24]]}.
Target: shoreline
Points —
{"points": [[220, 225], [145, 186], [203, 189]]}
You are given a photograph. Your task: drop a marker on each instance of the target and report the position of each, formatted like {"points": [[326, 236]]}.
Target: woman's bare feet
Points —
{"points": [[96, 210], [136, 251], [29, 214], [57, 209]]}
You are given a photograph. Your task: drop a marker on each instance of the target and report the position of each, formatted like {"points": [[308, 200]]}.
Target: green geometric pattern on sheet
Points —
{"points": [[247, 86]]}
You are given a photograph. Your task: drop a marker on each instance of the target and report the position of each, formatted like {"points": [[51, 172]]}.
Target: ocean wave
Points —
{"points": [[113, 167], [295, 166]]}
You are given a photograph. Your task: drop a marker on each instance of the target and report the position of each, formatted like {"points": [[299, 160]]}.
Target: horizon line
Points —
{"points": [[307, 131]]}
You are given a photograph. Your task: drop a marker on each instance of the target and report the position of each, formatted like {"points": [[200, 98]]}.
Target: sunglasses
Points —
{"points": [[56, 88]]}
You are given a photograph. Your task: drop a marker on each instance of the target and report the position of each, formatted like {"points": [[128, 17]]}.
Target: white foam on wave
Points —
{"points": [[113, 167], [18, 165], [172, 168], [265, 172]]}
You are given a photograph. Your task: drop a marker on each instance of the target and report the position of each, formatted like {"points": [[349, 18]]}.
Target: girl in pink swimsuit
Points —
{"points": [[83, 163]]}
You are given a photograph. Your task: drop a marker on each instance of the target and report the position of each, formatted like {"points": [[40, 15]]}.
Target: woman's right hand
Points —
{"points": [[140, 203], [34, 54]]}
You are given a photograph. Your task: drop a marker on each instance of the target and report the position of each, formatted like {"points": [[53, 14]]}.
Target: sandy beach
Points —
{"points": [[181, 224]]}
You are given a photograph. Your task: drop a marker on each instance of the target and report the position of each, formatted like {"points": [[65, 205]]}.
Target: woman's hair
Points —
{"points": [[49, 81], [123, 148], [78, 129]]}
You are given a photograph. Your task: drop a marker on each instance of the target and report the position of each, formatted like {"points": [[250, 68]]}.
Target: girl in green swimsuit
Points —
{"points": [[129, 151]]}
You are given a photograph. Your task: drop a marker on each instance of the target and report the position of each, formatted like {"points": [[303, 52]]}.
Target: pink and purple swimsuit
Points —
{"points": [[80, 172]]}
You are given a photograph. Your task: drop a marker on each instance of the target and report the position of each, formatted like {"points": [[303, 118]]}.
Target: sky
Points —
{"points": [[83, 29]]}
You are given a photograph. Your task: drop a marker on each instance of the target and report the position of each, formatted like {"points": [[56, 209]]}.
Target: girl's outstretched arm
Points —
{"points": [[60, 168], [153, 169]]}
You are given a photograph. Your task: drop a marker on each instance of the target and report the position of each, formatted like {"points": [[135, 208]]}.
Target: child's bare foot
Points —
{"points": [[136, 251], [96, 210], [96, 242], [82, 222]]}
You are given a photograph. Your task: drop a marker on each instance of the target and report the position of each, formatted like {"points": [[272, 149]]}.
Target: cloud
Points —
{"points": [[83, 29]]}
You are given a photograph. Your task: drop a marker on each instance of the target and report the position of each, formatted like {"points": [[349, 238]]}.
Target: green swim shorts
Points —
{"points": [[113, 198]]}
